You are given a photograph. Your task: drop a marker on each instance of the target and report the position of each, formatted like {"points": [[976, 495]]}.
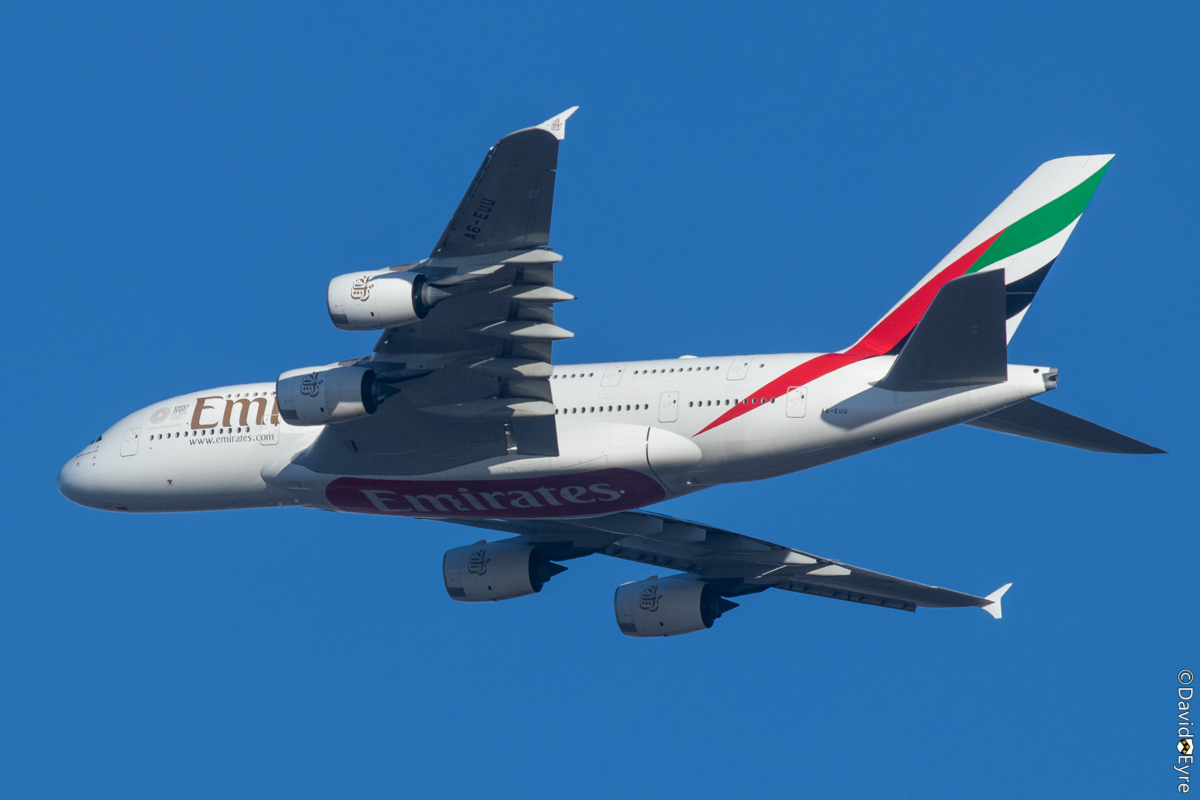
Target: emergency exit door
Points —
{"points": [[129, 445], [668, 407], [797, 401]]}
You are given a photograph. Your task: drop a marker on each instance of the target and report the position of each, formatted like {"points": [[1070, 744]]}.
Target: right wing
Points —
{"points": [[472, 377], [733, 563], [507, 207]]}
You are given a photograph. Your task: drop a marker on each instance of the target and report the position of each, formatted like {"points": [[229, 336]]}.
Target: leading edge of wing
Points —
{"points": [[734, 563]]}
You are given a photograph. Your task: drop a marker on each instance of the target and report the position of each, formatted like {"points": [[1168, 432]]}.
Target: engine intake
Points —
{"points": [[656, 607], [371, 301], [496, 571], [329, 394]]}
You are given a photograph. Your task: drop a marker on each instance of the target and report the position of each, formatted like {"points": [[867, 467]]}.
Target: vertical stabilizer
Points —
{"points": [[1022, 237]]}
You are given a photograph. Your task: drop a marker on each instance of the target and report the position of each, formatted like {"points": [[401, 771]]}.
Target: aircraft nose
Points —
{"points": [[74, 482]]}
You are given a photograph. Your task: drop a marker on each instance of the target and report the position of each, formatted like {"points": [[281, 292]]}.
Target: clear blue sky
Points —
{"points": [[180, 181]]}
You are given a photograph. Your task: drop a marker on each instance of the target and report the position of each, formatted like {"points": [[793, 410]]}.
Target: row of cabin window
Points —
{"points": [[642, 372], [674, 369], [597, 410], [745, 401], [211, 432], [691, 404]]}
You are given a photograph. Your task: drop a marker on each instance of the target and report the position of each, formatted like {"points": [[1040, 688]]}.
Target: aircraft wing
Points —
{"points": [[471, 379], [733, 563]]}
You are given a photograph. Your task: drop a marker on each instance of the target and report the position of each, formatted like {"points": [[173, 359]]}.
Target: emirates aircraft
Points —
{"points": [[460, 414]]}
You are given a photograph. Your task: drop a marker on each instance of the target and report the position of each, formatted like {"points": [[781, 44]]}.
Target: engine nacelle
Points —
{"points": [[329, 394], [655, 607], [371, 301], [496, 571]]}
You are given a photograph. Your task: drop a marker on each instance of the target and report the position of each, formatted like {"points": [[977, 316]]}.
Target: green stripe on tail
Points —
{"points": [[1041, 224]]}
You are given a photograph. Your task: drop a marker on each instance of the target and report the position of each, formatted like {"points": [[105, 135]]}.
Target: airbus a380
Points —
{"points": [[461, 415]]}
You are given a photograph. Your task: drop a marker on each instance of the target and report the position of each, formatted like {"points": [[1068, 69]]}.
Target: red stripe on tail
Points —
{"points": [[888, 333]]}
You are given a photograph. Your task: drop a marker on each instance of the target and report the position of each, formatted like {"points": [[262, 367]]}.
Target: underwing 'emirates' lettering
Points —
{"points": [[582, 494]]}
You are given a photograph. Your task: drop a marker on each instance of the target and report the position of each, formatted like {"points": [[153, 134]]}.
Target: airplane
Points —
{"points": [[460, 414]]}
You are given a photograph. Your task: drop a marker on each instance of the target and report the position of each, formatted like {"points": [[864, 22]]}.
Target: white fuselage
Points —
{"points": [[629, 434]]}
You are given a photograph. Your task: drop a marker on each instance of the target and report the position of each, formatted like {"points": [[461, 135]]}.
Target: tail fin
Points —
{"points": [[1023, 236]]}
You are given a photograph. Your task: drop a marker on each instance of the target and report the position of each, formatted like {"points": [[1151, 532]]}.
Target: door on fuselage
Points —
{"points": [[738, 368], [267, 432], [668, 406], [129, 445], [612, 375], [797, 401]]}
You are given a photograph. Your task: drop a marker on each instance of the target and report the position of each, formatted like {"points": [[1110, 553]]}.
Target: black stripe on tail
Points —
{"points": [[1019, 294], [1017, 297]]}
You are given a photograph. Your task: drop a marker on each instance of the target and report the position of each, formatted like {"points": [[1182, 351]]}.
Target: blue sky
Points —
{"points": [[179, 183]]}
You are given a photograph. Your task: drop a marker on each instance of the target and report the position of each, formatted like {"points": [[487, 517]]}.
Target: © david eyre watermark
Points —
{"points": [[1185, 759]]}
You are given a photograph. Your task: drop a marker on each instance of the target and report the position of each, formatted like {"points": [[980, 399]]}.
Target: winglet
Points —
{"points": [[557, 124], [993, 601]]}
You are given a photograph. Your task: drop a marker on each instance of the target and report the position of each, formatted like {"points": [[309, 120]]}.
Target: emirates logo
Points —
{"points": [[650, 598], [477, 563], [361, 289], [311, 385]]}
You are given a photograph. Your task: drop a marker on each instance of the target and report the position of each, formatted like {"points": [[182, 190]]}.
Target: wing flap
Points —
{"points": [[1034, 420], [874, 588]]}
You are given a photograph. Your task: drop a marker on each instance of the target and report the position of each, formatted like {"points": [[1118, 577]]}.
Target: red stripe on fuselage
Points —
{"points": [[888, 333]]}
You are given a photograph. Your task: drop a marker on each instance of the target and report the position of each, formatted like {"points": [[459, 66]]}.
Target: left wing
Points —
{"points": [[732, 563]]}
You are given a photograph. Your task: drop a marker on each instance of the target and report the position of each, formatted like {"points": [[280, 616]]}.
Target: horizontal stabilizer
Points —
{"points": [[960, 340], [1033, 420]]}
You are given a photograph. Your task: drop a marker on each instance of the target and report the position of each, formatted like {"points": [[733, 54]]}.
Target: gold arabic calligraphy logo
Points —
{"points": [[311, 385], [477, 564], [361, 290], [650, 598]]}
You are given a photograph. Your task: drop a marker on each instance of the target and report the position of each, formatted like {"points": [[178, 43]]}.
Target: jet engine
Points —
{"points": [[496, 571], [371, 301], [329, 394], [655, 607]]}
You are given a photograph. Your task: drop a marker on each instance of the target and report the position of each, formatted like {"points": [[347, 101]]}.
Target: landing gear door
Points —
{"points": [[797, 401], [668, 407]]}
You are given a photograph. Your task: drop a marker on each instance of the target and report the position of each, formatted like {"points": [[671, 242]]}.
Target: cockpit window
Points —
{"points": [[98, 438]]}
